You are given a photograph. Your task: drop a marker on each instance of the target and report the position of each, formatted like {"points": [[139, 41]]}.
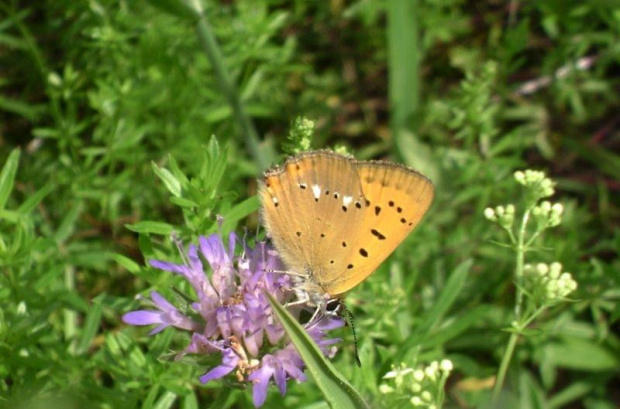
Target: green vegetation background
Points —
{"points": [[95, 93]]}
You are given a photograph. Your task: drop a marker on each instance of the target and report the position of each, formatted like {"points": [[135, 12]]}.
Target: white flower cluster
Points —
{"points": [[423, 386], [541, 186], [548, 215], [547, 282], [503, 215]]}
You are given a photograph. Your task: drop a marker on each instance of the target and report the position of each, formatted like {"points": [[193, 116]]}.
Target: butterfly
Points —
{"points": [[335, 219]]}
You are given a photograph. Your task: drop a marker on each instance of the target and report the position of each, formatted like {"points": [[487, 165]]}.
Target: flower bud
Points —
{"points": [[446, 365]]}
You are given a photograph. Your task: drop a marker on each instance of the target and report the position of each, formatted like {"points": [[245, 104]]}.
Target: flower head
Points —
{"points": [[547, 283], [231, 315]]}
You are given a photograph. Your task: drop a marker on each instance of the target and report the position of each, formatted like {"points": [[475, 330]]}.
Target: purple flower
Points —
{"points": [[232, 317]]}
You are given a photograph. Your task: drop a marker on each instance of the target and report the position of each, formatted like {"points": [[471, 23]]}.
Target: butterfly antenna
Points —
{"points": [[348, 315]]}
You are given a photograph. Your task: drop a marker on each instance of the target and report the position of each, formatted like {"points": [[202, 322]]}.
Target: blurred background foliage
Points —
{"points": [[100, 96]]}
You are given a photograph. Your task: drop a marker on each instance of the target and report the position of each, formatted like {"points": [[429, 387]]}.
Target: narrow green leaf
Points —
{"points": [[582, 354], [176, 171], [459, 325], [190, 401], [34, 199], [67, 226], [403, 63], [604, 159], [149, 402], [337, 391], [151, 227], [7, 177], [240, 211], [572, 393], [183, 202], [179, 8], [449, 293], [93, 320], [166, 400], [9, 216], [170, 181], [127, 263]]}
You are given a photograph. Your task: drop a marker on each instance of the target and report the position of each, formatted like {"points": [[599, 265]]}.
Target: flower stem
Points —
{"points": [[520, 262], [520, 249], [212, 50], [503, 368]]}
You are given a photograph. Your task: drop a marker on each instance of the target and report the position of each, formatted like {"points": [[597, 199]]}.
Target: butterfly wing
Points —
{"points": [[311, 207], [397, 198]]}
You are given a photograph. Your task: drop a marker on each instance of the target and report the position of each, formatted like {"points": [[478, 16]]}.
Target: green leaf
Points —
{"points": [[190, 401], [170, 181], [240, 211], [34, 199], [572, 393], [456, 327], [127, 263], [93, 321], [67, 226], [582, 354], [151, 227], [166, 400], [337, 391], [7, 177], [183, 202], [403, 61], [179, 8], [604, 159], [449, 293]]}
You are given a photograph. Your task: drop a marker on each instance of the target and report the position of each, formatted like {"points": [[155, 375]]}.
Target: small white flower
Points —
{"points": [[399, 371], [418, 375], [555, 271], [416, 401], [490, 214], [426, 396], [385, 389], [542, 269], [446, 365], [430, 372], [520, 177]]}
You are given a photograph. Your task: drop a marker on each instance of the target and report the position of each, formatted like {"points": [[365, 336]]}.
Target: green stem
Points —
{"points": [[520, 249], [503, 368], [70, 315], [520, 262], [212, 50], [404, 58]]}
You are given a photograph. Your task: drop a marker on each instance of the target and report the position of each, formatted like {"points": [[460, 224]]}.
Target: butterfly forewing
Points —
{"points": [[396, 199], [310, 207], [334, 219]]}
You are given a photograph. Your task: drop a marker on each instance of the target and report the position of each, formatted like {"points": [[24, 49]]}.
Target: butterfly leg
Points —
{"points": [[302, 298]]}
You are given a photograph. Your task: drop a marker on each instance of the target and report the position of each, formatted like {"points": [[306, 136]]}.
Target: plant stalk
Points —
{"points": [[212, 50]]}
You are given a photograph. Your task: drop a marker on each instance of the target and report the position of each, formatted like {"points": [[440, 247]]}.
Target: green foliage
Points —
{"points": [[125, 122], [336, 390]]}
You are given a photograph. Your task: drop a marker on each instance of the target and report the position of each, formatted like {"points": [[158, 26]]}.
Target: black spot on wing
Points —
{"points": [[377, 234]]}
